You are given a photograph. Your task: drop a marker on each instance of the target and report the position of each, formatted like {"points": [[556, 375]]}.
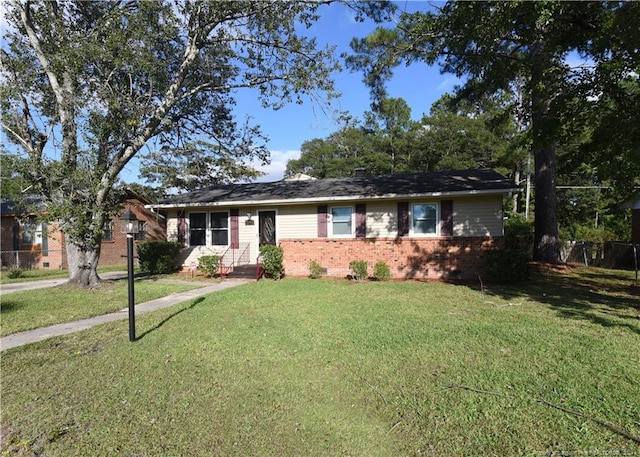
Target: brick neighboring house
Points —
{"points": [[27, 243], [433, 225]]}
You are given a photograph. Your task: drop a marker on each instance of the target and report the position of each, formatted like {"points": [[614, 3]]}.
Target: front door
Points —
{"points": [[267, 227]]}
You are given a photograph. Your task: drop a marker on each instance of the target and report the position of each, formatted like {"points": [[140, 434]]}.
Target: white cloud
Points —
{"points": [[274, 171], [447, 84]]}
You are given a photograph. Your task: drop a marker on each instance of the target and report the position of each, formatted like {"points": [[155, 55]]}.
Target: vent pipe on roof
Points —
{"points": [[361, 172]]}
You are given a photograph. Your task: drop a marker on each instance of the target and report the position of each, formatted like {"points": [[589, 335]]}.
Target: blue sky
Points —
{"points": [[289, 127]]}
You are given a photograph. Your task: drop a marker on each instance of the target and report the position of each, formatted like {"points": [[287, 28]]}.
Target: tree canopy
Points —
{"points": [[388, 141], [89, 85], [498, 46]]}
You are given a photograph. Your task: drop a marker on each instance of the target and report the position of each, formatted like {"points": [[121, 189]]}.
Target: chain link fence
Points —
{"points": [[610, 254], [55, 258]]}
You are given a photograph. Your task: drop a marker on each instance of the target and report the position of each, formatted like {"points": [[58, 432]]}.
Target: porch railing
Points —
{"points": [[234, 257]]}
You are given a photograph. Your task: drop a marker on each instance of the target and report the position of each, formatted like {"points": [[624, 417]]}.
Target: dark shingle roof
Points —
{"points": [[390, 186], [28, 204]]}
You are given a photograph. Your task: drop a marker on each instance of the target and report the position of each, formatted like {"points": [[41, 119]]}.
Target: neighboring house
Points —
{"points": [[27, 242], [430, 225]]}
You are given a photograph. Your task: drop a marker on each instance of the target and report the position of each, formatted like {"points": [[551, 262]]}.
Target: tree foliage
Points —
{"points": [[498, 46], [388, 141], [89, 85]]}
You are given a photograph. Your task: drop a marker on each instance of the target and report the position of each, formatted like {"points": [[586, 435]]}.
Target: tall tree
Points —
{"points": [[387, 141], [497, 44], [338, 155], [86, 85]]}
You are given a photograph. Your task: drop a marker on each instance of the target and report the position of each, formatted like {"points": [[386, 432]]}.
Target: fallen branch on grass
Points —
{"points": [[614, 428]]}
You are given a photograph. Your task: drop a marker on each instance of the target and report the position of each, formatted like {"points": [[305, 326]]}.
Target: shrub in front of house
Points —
{"points": [[14, 273], [272, 261], [358, 269], [315, 270], [518, 234], [159, 257], [381, 271], [507, 265], [209, 264]]}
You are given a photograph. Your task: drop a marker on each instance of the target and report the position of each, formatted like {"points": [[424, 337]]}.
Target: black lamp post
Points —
{"points": [[130, 227]]}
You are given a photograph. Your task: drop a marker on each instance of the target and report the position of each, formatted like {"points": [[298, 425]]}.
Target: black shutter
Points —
{"points": [[182, 227], [361, 220], [446, 218], [403, 218], [235, 231], [322, 221]]}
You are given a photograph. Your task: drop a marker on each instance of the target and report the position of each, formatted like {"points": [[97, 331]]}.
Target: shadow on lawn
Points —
{"points": [[8, 306], [168, 318], [606, 298]]}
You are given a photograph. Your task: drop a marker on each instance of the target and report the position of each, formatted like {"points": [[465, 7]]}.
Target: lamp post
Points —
{"points": [[130, 227]]}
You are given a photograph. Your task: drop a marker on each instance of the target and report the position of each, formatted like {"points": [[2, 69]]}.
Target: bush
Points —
{"points": [[381, 271], [209, 264], [507, 265], [272, 261], [315, 270], [358, 269], [14, 273], [519, 234], [158, 257]]}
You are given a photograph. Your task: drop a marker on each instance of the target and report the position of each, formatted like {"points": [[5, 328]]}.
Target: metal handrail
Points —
{"points": [[231, 252]]}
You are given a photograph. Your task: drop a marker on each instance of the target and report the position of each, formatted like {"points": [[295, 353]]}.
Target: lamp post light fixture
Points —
{"points": [[130, 227]]}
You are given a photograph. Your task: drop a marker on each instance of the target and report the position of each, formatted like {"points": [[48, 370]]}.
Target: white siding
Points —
{"points": [[477, 216], [297, 221], [172, 225], [193, 253], [248, 233], [472, 216], [382, 219]]}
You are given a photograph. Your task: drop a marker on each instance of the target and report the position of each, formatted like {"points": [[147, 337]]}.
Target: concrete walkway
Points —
{"points": [[39, 334], [43, 283]]}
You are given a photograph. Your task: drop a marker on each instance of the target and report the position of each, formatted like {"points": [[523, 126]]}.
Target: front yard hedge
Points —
{"points": [[159, 257]]}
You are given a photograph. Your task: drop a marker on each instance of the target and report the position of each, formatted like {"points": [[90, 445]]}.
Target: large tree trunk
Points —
{"points": [[546, 242], [83, 264], [543, 88]]}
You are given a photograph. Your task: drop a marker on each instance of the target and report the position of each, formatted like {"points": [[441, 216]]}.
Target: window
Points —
{"points": [[219, 229], [424, 218], [142, 231], [341, 221], [31, 231], [107, 231], [197, 229]]}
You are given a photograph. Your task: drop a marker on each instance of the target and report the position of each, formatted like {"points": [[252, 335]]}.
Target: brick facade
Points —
{"points": [[52, 252], [408, 258]]}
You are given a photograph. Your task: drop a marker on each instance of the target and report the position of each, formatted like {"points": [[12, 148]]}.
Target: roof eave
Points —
{"points": [[294, 201]]}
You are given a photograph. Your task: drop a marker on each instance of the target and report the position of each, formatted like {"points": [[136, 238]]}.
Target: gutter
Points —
{"points": [[293, 201]]}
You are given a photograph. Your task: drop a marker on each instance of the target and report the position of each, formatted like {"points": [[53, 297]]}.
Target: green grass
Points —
{"points": [[46, 273], [27, 310], [324, 368]]}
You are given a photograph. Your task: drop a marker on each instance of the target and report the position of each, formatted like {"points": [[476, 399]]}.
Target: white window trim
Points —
{"points": [[107, 228], [330, 233], [188, 224], [210, 229], [33, 228], [424, 235], [208, 237]]}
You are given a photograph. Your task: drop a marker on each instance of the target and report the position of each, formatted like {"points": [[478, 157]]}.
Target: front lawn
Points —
{"points": [[31, 309], [37, 274], [329, 367]]}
